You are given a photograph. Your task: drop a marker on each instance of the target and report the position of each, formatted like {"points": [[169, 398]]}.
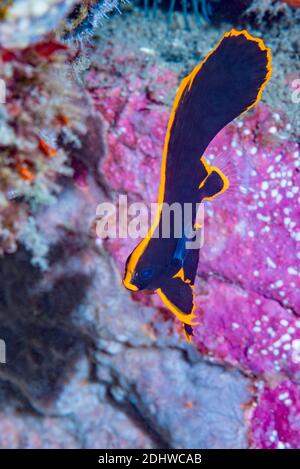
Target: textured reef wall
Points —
{"points": [[89, 364], [248, 285]]}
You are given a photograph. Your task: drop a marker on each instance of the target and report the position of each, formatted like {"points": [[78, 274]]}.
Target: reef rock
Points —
{"points": [[248, 279], [91, 365], [25, 22]]}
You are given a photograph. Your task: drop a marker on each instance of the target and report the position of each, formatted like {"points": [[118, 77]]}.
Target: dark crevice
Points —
{"points": [[205, 276], [135, 413], [42, 342]]}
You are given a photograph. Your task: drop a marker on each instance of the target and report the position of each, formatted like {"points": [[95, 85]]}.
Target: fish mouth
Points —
{"points": [[129, 285], [132, 287]]}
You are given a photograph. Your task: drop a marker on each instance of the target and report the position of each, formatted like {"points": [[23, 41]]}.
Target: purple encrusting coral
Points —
{"points": [[96, 365], [263, 209], [279, 428], [248, 285]]}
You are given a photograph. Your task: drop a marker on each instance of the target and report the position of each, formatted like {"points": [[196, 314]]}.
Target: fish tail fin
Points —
{"points": [[214, 184]]}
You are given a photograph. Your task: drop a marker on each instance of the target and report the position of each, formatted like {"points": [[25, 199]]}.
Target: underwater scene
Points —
{"points": [[150, 224]]}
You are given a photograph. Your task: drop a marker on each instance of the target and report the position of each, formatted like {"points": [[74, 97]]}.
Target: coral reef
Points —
{"points": [[90, 365], [248, 306], [118, 393], [293, 3], [269, 10], [42, 113], [202, 10], [24, 22], [219, 10], [279, 428], [85, 17]]}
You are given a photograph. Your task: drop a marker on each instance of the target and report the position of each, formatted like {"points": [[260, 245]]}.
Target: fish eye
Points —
{"points": [[147, 273]]}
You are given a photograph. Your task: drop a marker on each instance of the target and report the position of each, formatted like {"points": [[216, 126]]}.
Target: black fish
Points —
{"points": [[226, 84]]}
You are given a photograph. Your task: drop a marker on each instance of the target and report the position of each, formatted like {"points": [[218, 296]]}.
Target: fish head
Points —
{"points": [[140, 275], [148, 273]]}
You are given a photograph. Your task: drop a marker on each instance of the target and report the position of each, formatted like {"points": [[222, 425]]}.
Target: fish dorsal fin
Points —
{"points": [[178, 296]]}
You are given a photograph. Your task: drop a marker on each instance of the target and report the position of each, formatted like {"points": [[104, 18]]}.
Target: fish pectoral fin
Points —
{"points": [[178, 296], [214, 184]]}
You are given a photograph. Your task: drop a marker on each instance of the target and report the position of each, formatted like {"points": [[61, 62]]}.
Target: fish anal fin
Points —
{"points": [[178, 296]]}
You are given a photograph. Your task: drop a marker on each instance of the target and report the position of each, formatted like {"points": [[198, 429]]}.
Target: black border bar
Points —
{"points": [[133, 458]]}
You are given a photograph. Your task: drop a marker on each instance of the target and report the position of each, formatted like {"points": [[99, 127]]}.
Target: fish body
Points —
{"points": [[227, 83]]}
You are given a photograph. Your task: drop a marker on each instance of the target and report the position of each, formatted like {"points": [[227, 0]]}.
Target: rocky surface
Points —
{"points": [[247, 289], [90, 365], [115, 374], [25, 22]]}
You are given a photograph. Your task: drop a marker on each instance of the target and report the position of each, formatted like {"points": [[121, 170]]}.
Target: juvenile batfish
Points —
{"points": [[228, 82]]}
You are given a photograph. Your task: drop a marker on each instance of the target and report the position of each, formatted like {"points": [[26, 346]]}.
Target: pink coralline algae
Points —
{"points": [[249, 302], [137, 119], [247, 291], [275, 420], [253, 232], [247, 330]]}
